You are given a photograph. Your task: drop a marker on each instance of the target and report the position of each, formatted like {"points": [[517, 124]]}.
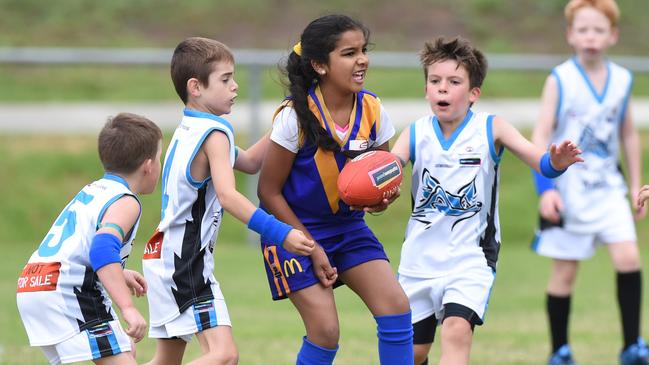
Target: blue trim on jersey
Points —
{"points": [[446, 143], [413, 143], [119, 179], [599, 98], [486, 305], [535, 242], [188, 172], [94, 346], [212, 315], [197, 319], [100, 217], [196, 114], [165, 180], [112, 339], [559, 96], [625, 103], [492, 144]]}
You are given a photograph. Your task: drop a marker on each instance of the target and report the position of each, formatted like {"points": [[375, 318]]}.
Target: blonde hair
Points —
{"points": [[607, 7]]}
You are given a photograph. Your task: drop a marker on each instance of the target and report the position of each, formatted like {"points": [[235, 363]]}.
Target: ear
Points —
{"points": [[194, 87], [319, 68], [615, 35], [474, 94], [147, 166]]}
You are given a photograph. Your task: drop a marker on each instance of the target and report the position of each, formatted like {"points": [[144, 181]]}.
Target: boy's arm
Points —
{"points": [[105, 259], [249, 161], [560, 156], [401, 147], [274, 172], [550, 203], [217, 149], [631, 145]]}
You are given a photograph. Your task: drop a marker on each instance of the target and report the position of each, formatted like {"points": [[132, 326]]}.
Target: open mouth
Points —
{"points": [[359, 76], [443, 103]]}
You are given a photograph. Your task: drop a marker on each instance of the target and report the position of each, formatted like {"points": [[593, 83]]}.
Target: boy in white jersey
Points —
{"points": [[587, 99], [65, 290], [448, 259], [197, 185]]}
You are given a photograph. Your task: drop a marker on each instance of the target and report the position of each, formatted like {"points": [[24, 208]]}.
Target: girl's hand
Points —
{"points": [[383, 205]]}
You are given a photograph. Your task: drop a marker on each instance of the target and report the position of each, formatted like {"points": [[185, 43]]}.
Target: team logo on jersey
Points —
{"points": [[590, 142], [292, 266], [462, 204]]}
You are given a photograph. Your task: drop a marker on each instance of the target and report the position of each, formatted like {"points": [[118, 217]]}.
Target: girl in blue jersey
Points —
{"points": [[328, 117]]}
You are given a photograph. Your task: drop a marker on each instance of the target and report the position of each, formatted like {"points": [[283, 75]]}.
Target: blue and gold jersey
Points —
{"points": [[310, 189]]}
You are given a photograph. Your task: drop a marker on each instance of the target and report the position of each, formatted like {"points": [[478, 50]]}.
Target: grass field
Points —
{"points": [[38, 180]]}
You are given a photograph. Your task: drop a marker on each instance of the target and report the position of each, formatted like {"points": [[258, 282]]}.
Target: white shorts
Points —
{"points": [[557, 243], [196, 318], [100, 341], [470, 288]]}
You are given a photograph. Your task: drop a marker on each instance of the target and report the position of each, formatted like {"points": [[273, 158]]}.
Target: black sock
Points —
{"points": [[558, 312], [629, 297]]}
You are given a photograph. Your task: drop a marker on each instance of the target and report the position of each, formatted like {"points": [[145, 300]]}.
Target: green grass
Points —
{"points": [[145, 84], [39, 180]]}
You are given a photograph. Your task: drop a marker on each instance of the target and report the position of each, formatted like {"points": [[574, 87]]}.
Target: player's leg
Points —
{"points": [[423, 338], [558, 298], [168, 351], [218, 347], [465, 297], [457, 335], [292, 275], [567, 249], [125, 358], [317, 308], [378, 287], [626, 261]]}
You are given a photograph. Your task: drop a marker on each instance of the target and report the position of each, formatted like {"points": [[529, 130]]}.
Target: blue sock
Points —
{"points": [[395, 339], [312, 354]]}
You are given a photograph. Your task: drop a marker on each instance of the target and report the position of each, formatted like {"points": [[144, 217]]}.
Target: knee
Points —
{"points": [[457, 330], [326, 336], [227, 356]]}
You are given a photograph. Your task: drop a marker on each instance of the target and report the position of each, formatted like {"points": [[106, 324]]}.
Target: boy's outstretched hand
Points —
{"points": [[564, 155], [298, 243]]}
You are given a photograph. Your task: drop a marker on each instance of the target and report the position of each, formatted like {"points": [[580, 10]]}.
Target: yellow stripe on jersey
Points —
{"points": [[325, 162]]}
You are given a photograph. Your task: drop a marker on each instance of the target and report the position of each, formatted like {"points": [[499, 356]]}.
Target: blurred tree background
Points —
{"points": [[497, 26]]}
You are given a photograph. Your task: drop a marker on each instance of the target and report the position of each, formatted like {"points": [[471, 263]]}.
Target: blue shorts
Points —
{"points": [[288, 272]]}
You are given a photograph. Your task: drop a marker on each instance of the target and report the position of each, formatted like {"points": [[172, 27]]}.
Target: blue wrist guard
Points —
{"points": [[541, 182], [546, 167], [269, 227], [104, 250]]}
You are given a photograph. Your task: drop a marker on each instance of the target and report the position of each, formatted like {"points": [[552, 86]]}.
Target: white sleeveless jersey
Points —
{"points": [[58, 292], [454, 222], [593, 121], [178, 262]]}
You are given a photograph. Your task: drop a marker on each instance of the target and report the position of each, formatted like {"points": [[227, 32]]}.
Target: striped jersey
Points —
{"points": [[310, 189], [58, 292], [454, 222], [178, 263], [593, 120]]}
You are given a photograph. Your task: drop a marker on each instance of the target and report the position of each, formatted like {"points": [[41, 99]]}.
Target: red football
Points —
{"points": [[369, 178]]}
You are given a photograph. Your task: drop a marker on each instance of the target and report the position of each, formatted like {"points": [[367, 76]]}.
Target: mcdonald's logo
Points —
{"points": [[290, 265]]}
